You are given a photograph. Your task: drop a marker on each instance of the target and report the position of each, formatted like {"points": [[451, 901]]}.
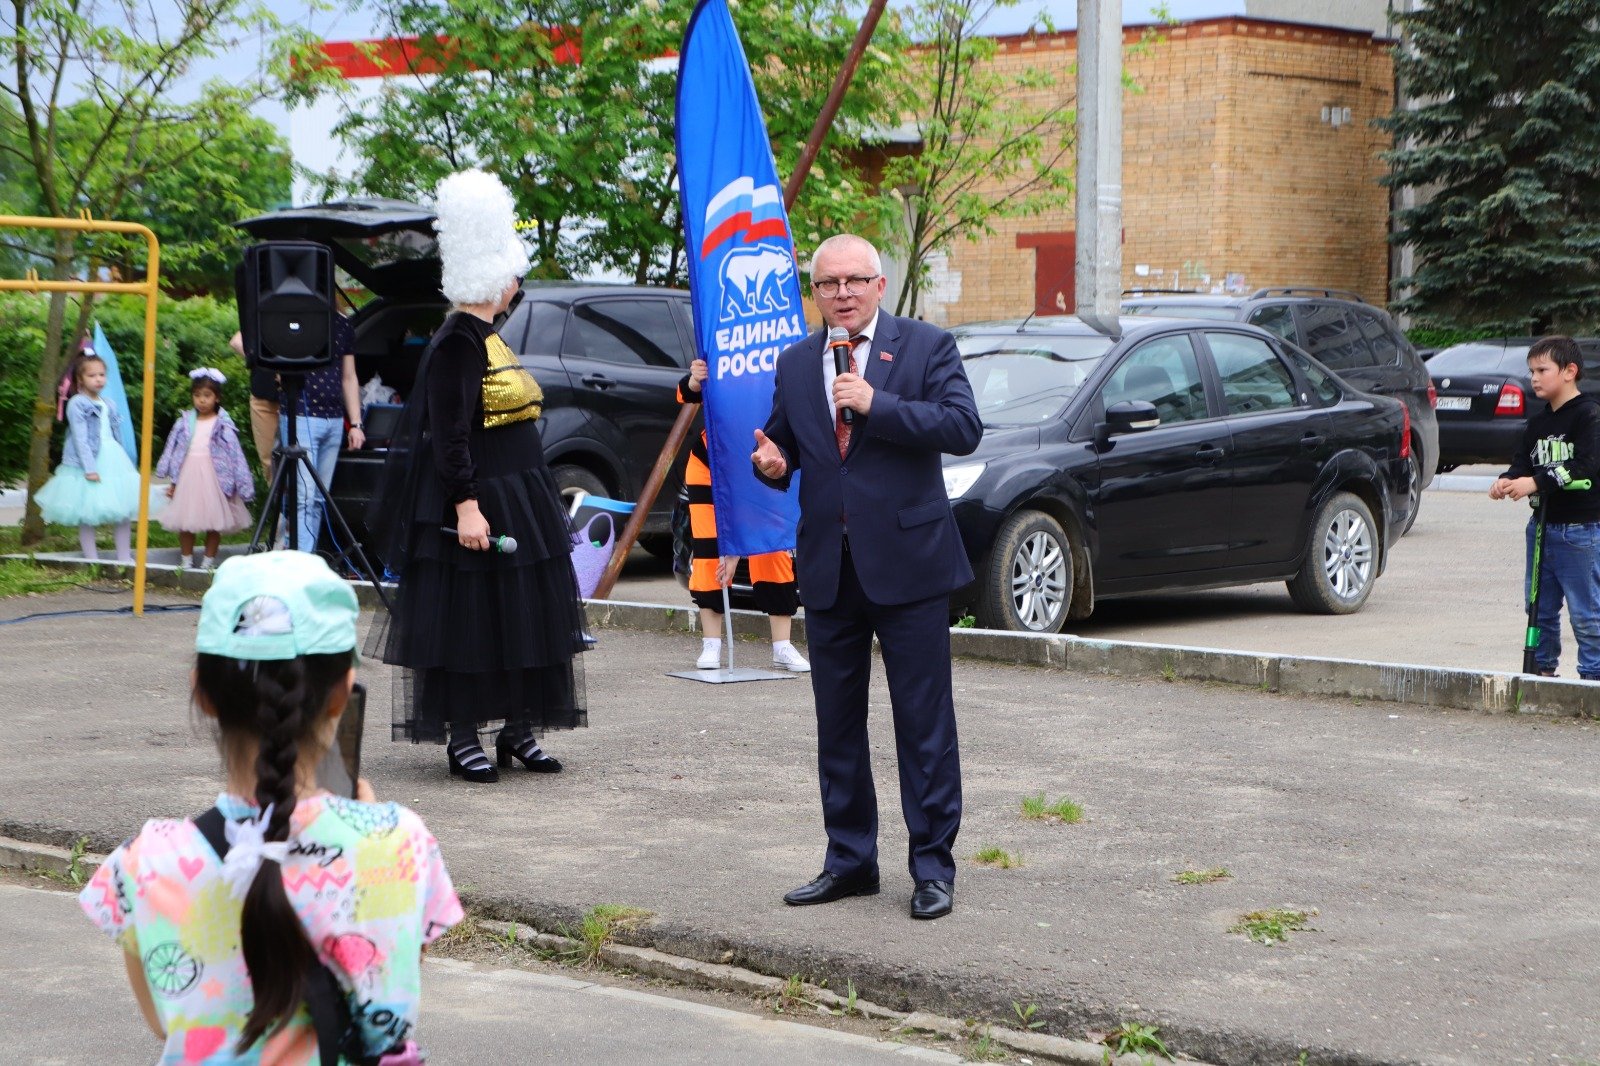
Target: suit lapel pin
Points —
{"points": [[887, 357]]}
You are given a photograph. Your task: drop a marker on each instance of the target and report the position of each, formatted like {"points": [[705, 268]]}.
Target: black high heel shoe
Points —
{"points": [[472, 764], [527, 750]]}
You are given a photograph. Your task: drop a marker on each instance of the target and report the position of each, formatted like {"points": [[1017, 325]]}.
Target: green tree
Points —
{"points": [[1499, 130], [993, 144], [95, 87], [587, 148]]}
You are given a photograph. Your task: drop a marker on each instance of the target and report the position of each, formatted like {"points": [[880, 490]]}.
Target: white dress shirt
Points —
{"points": [[862, 349]]}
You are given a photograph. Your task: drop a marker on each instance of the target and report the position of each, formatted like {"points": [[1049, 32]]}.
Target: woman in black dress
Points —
{"points": [[487, 638]]}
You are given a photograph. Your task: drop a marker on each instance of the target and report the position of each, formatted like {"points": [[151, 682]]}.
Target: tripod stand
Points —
{"points": [[288, 458]]}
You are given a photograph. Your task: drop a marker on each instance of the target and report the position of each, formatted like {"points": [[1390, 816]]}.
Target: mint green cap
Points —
{"points": [[277, 605]]}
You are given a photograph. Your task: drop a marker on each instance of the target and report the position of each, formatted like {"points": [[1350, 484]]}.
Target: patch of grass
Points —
{"points": [[967, 621], [999, 858], [1134, 1038], [1202, 877], [1036, 808], [599, 926], [21, 577], [1169, 673], [1273, 925]]}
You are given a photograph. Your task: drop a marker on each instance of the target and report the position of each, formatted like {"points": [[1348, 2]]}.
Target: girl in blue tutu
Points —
{"points": [[96, 483]]}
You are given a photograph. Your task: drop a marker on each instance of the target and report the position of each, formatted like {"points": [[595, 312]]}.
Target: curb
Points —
{"points": [[1299, 675]]}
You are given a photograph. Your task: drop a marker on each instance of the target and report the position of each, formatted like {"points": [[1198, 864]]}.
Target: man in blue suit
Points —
{"points": [[877, 553]]}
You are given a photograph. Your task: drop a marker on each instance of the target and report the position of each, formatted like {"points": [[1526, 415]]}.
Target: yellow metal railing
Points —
{"points": [[149, 290]]}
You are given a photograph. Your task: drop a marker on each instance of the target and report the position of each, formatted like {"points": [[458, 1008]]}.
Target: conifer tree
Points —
{"points": [[1501, 138]]}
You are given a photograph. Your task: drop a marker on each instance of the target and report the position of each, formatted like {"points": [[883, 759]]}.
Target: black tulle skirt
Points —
{"points": [[488, 640]]}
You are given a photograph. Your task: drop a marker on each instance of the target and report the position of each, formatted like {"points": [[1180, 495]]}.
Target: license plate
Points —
{"points": [[1455, 403]]}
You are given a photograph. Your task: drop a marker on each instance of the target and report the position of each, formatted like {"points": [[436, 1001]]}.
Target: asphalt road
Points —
{"points": [[67, 1001], [1448, 856], [1451, 596]]}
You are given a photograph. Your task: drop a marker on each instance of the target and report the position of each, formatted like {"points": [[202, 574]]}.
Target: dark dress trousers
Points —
{"points": [[878, 552]]}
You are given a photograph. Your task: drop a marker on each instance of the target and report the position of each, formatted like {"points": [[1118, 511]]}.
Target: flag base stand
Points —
{"points": [[730, 674]]}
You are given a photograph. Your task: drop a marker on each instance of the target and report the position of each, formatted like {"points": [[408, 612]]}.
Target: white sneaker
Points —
{"points": [[787, 657], [208, 563], [710, 655]]}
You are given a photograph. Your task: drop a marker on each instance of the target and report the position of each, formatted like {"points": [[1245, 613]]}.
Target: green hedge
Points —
{"points": [[1445, 336], [189, 333]]}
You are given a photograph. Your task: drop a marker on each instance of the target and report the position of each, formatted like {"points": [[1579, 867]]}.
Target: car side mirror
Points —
{"points": [[1125, 416]]}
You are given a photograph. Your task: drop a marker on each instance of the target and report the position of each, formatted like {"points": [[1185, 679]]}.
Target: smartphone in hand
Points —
{"points": [[340, 768]]}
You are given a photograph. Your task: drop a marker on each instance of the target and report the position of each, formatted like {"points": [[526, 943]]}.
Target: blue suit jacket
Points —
{"points": [[889, 487]]}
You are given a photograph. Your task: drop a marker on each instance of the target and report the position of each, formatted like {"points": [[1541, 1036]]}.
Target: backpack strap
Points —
{"points": [[326, 1002]]}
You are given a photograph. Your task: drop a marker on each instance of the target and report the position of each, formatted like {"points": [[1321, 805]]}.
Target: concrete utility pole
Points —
{"points": [[1099, 239]]}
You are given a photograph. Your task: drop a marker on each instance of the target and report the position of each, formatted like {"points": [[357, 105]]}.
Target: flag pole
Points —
{"points": [[791, 191]]}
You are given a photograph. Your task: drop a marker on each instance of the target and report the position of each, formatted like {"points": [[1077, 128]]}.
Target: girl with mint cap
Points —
{"points": [[231, 920]]}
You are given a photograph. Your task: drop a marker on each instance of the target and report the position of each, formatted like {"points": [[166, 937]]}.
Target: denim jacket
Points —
{"points": [[227, 457], [83, 433]]}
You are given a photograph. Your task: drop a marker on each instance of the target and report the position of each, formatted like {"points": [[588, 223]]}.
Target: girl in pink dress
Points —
{"points": [[211, 479]]}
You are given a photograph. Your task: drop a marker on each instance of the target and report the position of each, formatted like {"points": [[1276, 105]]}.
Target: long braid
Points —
{"points": [[277, 952]]}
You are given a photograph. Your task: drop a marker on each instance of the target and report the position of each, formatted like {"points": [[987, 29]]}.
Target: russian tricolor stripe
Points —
{"points": [[742, 208]]}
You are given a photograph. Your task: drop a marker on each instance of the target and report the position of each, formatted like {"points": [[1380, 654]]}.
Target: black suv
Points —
{"points": [[1349, 336], [608, 357]]}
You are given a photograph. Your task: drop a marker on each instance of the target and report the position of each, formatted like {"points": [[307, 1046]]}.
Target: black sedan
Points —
{"points": [[1485, 397], [1180, 455]]}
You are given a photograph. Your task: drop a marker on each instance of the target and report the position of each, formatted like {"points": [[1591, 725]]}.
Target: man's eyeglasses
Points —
{"points": [[853, 286]]}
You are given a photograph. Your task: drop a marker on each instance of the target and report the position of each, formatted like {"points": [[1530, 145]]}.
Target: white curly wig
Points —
{"points": [[478, 242]]}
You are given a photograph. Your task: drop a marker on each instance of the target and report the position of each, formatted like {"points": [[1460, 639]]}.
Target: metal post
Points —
{"points": [[1099, 215]]}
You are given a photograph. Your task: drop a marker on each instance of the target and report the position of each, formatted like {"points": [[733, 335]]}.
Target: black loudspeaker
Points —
{"points": [[286, 306]]}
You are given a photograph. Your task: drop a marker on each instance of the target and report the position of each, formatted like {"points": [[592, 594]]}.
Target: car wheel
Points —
{"points": [[572, 480], [1028, 586], [1341, 558], [1415, 496]]}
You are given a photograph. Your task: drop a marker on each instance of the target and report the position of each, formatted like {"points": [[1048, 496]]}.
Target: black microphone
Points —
{"points": [[503, 545], [839, 341]]}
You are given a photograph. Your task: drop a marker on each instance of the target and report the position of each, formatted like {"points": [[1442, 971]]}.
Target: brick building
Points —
{"points": [[1249, 159]]}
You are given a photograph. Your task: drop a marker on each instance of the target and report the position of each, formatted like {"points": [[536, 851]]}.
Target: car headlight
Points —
{"points": [[958, 479]]}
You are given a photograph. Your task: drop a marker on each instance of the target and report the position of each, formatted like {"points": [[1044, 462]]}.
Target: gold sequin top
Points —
{"points": [[510, 394]]}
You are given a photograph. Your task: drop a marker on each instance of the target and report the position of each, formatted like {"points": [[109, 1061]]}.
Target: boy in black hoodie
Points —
{"points": [[1560, 456]]}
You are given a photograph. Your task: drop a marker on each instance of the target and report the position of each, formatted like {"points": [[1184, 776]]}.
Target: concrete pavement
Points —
{"points": [[56, 965], [1448, 855]]}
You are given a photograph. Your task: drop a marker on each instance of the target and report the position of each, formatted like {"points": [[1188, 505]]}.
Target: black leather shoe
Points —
{"points": [[827, 888], [933, 899], [534, 759], [470, 763]]}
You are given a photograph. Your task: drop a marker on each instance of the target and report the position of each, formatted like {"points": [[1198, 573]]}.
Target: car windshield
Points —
{"points": [[1208, 311], [1021, 379], [1473, 358]]}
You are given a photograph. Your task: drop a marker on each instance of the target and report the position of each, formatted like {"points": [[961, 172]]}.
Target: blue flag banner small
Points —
{"points": [[115, 395], [742, 273]]}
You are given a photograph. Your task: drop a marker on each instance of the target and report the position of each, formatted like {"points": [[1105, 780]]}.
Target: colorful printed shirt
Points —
{"points": [[366, 879]]}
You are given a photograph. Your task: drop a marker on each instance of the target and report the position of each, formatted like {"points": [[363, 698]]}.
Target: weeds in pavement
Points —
{"points": [[966, 621], [982, 1046], [1025, 1015], [1169, 673], [793, 996], [1274, 925], [999, 858], [850, 998], [599, 926], [1202, 877], [75, 874], [1036, 808], [1134, 1038]]}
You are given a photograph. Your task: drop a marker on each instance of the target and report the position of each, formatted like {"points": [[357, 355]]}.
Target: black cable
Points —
{"points": [[128, 610]]}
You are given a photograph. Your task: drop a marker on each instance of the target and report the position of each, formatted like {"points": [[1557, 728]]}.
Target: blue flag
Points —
{"points": [[742, 274], [115, 395]]}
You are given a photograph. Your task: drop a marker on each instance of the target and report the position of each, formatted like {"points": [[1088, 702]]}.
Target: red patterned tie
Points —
{"points": [[841, 428]]}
